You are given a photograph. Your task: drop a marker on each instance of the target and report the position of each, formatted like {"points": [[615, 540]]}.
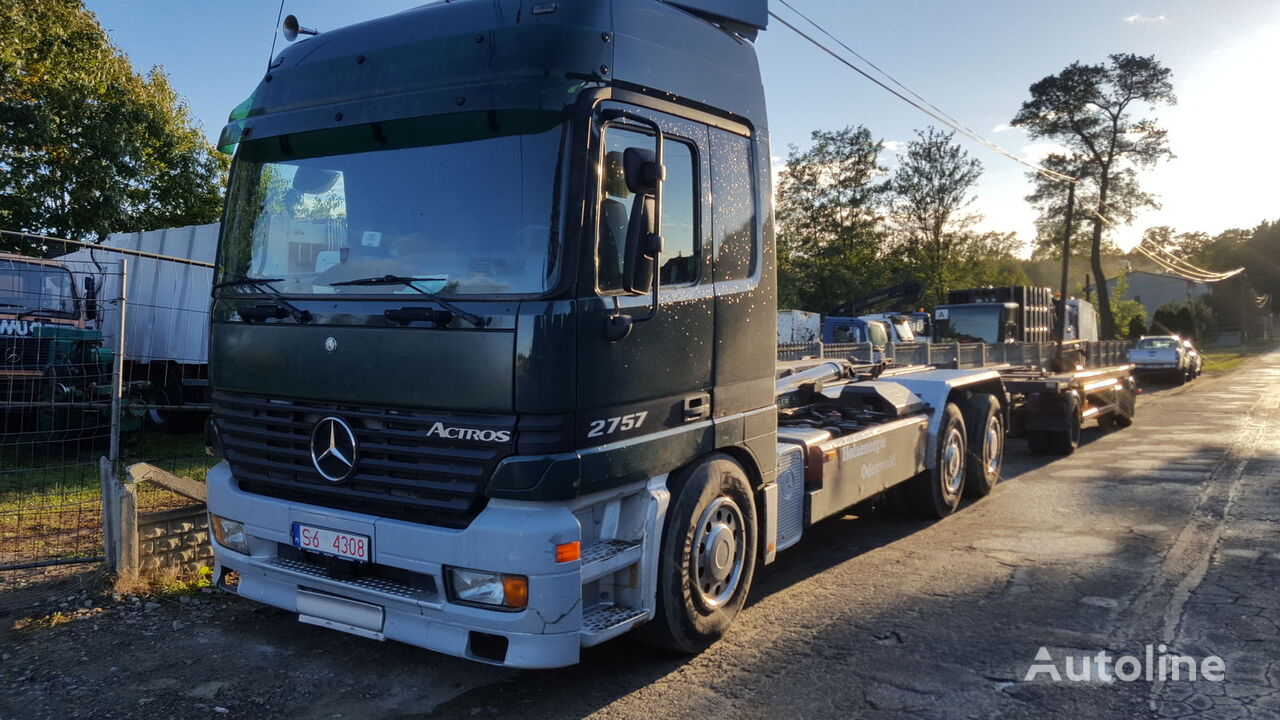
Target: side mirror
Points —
{"points": [[90, 298], [643, 174], [314, 180]]}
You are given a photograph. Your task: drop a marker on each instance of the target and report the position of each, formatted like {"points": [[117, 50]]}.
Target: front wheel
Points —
{"points": [[708, 556]]}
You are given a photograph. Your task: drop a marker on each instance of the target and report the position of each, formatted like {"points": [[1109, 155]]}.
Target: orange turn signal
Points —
{"points": [[568, 552], [515, 591]]}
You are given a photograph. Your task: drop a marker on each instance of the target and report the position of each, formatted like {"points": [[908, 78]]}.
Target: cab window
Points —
{"points": [[679, 219]]}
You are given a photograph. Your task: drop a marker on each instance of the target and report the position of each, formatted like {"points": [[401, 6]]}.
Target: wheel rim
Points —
{"points": [[719, 552], [953, 462], [993, 446]]}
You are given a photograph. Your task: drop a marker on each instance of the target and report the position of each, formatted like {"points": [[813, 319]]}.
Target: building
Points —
{"points": [[1155, 289]]}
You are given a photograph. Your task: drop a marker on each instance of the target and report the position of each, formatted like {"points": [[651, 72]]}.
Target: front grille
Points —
{"points": [[402, 472], [24, 353]]}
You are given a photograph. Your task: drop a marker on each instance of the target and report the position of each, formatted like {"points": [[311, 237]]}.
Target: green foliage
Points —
{"points": [[88, 146], [1245, 297], [829, 207], [1137, 327], [1191, 318], [931, 189], [1087, 110], [1129, 314]]}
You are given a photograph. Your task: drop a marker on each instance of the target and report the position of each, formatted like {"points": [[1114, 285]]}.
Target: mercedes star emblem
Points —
{"points": [[333, 449], [330, 344]]}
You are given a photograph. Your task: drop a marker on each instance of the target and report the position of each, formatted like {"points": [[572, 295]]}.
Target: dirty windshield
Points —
{"points": [[466, 203], [35, 289]]}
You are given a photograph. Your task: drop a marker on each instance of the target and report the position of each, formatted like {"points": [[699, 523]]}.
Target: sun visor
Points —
{"points": [[752, 14]]}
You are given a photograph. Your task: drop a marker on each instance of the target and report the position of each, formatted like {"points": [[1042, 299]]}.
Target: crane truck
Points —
{"points": [[492, 347]]}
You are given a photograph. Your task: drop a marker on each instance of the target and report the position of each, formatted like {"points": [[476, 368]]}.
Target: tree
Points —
{"points": [[1191, 318], [829, 207], [931, 190], [988, 258], [1087, 109], [87, 145]]}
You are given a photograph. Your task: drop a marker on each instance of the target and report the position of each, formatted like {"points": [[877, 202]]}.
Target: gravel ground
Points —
{"points": [[1165, 533]]}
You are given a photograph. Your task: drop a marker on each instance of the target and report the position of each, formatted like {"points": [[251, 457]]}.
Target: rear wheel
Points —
{"points": [[935, 493], [1059, 442], [708, 556], [985, 424]]}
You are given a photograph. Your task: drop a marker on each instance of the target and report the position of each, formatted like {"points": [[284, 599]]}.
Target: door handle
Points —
{"points": [[697, 407]]}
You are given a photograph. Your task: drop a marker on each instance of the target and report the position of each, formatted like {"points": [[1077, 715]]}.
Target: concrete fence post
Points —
{"points": [[119, 521]]}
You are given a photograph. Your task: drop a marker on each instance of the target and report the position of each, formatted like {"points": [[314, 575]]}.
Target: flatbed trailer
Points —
{"points": [[1049, 408]]}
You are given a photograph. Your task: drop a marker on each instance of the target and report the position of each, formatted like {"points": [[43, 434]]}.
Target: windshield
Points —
{"points": [[37, 289], [466, 202], [970, 324], [1158, 344]]}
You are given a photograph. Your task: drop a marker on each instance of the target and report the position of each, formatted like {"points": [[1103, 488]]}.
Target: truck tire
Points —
{"points": [[1126, 408], [1180, 377], [707, 558], [165, 389], [1060, 442], [986, 432], [936, 492]]}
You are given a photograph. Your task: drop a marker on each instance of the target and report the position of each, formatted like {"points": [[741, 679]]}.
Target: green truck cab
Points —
{"points": [[492, 349]]}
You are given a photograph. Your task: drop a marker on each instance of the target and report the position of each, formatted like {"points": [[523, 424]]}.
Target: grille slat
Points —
{"points": [[402, 471]]}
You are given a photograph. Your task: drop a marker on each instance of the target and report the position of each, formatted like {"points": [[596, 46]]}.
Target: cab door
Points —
{"points": [[649, 390]]}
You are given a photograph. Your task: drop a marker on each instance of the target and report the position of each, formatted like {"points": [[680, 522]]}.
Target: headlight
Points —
{"points": [[229, 533], [475, 587]]}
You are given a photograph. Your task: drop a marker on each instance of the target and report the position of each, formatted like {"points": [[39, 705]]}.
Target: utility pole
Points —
{"points": [[1066, 264]]}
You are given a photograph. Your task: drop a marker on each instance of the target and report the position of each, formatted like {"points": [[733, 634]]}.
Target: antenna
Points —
{"points": [[292, 29]]}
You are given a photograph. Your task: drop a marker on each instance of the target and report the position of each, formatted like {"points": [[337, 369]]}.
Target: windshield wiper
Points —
{"points": [[282, 305], [408, 282]]}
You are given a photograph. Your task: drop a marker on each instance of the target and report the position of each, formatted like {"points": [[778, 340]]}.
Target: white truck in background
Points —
{"points": [[166, 326]]}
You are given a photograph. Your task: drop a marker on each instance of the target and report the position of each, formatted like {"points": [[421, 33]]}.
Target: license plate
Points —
{"points": [[332, 542]]}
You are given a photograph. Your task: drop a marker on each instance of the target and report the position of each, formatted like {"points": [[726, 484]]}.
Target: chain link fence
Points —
{"points": [[102, 354]]}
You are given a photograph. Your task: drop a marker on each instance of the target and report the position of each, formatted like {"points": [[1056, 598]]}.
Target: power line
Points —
{"points": [[1193, 269], [1185, 274], [938, 115]]}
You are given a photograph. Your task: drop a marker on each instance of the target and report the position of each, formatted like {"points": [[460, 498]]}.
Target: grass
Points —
{"points": [[50, 501], [1220, 360]]}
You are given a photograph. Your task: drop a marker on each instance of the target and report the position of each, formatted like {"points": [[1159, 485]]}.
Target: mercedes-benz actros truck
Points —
{"points": [[492, 351]]}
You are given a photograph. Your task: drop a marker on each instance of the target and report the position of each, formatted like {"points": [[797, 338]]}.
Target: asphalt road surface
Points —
{"points": [[1162, 535]]}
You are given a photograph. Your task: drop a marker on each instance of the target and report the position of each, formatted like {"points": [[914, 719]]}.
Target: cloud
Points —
{"points": [[1136, 19], [1002, 127], [1037, 151], [895, 146]]}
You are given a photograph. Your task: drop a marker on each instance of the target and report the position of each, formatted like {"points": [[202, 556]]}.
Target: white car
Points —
{"points": [[1167, 355]]}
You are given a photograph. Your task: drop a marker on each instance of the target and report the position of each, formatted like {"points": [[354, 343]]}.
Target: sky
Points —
{"points": [[973, 60]]}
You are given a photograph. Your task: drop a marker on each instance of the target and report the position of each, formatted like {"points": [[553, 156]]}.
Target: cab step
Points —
{"points": [[608, 621], [608, 556]]}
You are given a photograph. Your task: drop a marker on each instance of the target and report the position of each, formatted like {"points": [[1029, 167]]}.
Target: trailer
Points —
{"points": [[1049, 401], [168, 285]]}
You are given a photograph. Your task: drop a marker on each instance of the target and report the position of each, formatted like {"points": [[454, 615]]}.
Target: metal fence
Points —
{"points": [[963, 355], [120, 375]]}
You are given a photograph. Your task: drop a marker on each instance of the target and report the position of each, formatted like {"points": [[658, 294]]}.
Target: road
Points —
{"points": [[1161, 534]]}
